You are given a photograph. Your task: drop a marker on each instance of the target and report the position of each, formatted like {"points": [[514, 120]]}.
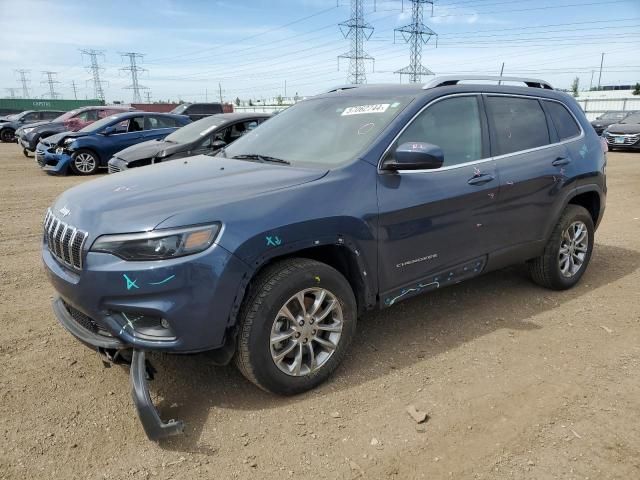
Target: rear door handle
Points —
{"points": [[560, 161], [481, 179]]}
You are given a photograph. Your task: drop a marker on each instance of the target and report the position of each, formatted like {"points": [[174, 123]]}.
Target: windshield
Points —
{"points": [[66, 116], [180, 109], [99, 125], [325, 132], [15, 116], [614, 116], [195, 130], [633, 118]]}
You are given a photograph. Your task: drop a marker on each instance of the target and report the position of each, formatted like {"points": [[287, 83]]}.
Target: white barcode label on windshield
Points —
{"points": [[360, 109]]}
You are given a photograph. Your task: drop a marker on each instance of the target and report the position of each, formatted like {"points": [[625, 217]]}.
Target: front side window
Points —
{"points": [[564, 122], [453, 124], [30, 117], [518, 124], [153, 123], [136, 124]]}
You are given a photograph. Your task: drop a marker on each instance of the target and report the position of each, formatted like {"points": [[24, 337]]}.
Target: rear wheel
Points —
{"points": [[7, 135], [84, 162], [25, 152], [296, 325], [567, 252]]}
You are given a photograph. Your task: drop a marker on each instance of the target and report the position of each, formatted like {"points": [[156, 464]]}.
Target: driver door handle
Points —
{"points": [[560, 161], [481, 179]]}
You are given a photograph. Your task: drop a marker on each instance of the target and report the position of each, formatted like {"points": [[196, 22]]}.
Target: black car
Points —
{"points": [[601, 123], [11, 123], [205, 136], [625, 134], [197, 111]]}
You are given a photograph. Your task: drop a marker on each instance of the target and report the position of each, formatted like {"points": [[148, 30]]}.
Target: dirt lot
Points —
{"points": [[519, 382]]}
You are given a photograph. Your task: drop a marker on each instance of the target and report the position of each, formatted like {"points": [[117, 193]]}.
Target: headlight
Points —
{"points": [[158, 244], [68, 141], [26, 130], [60, 150]]}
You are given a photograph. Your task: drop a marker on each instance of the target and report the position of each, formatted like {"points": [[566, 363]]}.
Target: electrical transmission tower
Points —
{"points": [[358, 30], [134, 69], [416, 34], [24, 80], [12, 91], [51, 81], [75, 89], [95, 69], [148, 95]]}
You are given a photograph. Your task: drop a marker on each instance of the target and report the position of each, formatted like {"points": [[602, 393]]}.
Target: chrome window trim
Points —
{"points": [[481, 160]]}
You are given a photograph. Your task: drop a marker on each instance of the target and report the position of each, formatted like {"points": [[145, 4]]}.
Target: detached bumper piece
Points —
{"points": [[153, 425]]}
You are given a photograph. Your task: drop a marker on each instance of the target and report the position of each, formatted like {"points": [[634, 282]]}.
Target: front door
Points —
{"points": [[435, 225]]}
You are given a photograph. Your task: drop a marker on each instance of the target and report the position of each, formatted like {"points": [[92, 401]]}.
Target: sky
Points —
{"points": [[251, 49]]}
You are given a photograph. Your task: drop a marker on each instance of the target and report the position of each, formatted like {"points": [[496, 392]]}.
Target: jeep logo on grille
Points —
{"points": [[64, 211]]}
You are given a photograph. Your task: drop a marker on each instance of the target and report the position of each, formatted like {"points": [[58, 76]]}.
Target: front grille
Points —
{"points": [[628, 139], [85, 321], [64, 241], [40, 158], [114, 169]]}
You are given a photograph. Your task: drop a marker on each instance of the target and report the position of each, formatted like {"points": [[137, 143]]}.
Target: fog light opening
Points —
{"points": [[144, 326]]}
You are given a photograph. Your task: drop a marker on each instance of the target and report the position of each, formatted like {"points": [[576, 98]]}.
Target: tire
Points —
{"points": [[84, 162], [7, 135], [261, 319], [25, 152], [560, 270]]}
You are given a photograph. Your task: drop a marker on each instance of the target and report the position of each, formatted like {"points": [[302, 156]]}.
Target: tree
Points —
{"points": [[636, 89], [574, 86], [250, 103], [237, 101]]}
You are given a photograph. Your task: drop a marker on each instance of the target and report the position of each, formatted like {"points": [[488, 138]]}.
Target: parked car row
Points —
{"points": [[11, 123]]}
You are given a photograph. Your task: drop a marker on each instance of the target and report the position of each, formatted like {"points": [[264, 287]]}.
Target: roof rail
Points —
{"points": [[445, 80], [347, 86]]}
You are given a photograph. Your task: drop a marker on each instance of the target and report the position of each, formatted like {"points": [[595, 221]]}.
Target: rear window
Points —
{"points": [[518, 124], [564, 122]]}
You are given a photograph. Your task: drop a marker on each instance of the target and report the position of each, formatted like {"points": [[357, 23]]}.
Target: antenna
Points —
{"points": [[415, 34], [51, 81], [95, 69], [24, 80], [134, 69], [358, 30]]}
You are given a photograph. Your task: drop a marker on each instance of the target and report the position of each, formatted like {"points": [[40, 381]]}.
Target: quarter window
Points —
{"points": [[518, 124], [564, 122], [452, 124]]}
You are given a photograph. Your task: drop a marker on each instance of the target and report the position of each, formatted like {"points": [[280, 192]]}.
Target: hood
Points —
{"points": [[140, 199], [48, 127], [602, 123], [58, 137], [624, 128], [150, 149]]}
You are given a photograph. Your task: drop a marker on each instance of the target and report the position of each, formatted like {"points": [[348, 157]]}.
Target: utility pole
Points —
{"points": [[591, 81], [501, 72], [75, 89], [24, 80], [600, 76], [95, 69], [133, 68], [285, 89], [148, 95], [416, 34], [220, 90], [51, 80], [358, 30], [12, 91]]}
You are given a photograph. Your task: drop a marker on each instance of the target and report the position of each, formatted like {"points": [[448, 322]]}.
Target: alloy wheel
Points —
{"points": [[574, 245], [85, 162]]}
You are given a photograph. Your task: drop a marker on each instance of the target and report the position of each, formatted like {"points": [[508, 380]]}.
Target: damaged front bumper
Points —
{"points": [[140, 372]]}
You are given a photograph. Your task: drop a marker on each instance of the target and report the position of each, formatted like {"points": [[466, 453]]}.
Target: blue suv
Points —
{"points": [[352, 200], [91, 147]]}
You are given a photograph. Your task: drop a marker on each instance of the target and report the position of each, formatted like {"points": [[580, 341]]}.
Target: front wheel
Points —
{"points": [[25, 152], [7, 135], [567, 252], [84, 162], [296, 324]]}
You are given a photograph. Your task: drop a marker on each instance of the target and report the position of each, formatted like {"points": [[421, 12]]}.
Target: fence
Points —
{"points": [[594, 107], [261, 108]]}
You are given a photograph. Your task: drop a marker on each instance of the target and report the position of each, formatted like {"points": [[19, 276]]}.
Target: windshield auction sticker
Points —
{"points": [[362, 109]]}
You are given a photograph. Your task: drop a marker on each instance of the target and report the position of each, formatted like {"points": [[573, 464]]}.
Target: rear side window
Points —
{"points": [[518, 124], [153, 123], [452, 124], [564, 122]]}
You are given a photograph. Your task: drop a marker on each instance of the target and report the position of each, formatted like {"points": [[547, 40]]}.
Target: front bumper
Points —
{"points": [[194, 296], [28, 142], [116, 165], [50, 161], [619, 140]]}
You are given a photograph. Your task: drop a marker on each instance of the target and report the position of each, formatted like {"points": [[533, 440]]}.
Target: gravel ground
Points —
{"points": [[519, 382]]}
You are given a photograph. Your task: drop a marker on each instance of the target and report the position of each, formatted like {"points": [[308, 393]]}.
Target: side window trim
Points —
{"points": [[541, 101], [484, 126]]}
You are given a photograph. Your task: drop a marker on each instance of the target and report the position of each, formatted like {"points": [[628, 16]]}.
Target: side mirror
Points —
{"points": [[110, 130], [415, 156], [218, 144]]}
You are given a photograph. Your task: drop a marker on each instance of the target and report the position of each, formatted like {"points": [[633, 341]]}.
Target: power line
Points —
{"points": [[51, 81], [358, 30], [416, 34], [134, 69], [24, 80], [75, 91], [95, 69]]}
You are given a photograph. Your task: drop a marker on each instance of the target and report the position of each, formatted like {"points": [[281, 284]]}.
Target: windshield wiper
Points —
{"points": [[262, 158]]}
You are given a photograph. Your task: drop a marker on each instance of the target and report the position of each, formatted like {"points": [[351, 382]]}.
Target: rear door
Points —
{"points": [[532, 166], [435, 225], [158, 127]]}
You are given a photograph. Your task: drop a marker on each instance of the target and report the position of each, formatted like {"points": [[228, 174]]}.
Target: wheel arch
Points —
{"points": [[590, 198]]}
